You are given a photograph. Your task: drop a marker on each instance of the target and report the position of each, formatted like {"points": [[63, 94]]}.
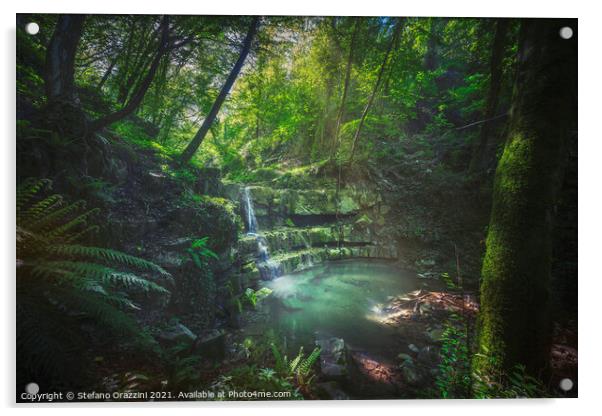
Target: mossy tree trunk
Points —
{"points": [[514, 327]]}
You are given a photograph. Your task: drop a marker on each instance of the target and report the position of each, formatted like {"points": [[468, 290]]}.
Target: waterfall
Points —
{"points": [[268, 268], [306, 259], [251, 219]]}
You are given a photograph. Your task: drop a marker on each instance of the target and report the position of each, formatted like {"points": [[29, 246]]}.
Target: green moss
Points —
{"points": [[513, 322]]}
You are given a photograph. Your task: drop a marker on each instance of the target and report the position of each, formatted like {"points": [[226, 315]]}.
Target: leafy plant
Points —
{"points": [[299, 369], [454, 378], [250, 378], [61, 283], [252, 297], [516, 384], [200, 252], [182, 367]]}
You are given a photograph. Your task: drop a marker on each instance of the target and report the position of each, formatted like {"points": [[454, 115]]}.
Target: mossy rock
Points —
{"points": [[320, 236]]}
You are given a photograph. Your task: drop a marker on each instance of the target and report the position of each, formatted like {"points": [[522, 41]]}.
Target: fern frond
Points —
{"points": [[39, 210], [62, 230], [280, 365], [60, 283], [94, 272], [47, 222], [69, 268], [295, 362], [129, 280], [106, 254], [306, 364], [96, 308], [78, 236], [28, 189]]}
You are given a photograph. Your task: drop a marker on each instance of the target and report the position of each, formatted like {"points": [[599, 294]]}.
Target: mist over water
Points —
{"points": [[342, 299]]}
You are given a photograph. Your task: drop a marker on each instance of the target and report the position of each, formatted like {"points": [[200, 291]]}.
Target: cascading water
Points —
{"points": [[251, 219], [307, 258], [268, 268]]}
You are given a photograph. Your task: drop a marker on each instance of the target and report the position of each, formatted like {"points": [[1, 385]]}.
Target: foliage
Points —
{"points": [[182, 367], [299, 368], [200, 252], [454, 378], [287, 104], [256, 379], [289, 122], [252, 297], [61, 283], [516, 384]]}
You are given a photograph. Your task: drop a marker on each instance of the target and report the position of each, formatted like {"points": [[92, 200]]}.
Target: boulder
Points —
{"points": [[212, 345], [333, 357], [177, 333]]}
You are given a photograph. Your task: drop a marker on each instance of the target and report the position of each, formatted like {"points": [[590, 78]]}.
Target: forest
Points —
{"points": [[289, 208]]}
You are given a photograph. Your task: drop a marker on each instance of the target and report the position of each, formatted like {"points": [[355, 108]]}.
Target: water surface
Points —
{"points": [[342, 299]]}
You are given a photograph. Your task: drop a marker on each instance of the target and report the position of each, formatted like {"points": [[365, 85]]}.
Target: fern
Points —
{"points": [[299, 369], [306, 364], [281, 364], [28, 189], [105, 254], [61, 282], [40, 208]]}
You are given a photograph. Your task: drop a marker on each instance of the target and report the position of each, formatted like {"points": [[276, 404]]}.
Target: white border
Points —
{"points": [[590, 153]]}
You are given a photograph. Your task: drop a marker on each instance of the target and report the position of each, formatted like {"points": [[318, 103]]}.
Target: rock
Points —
{"points": [[155, 181], [212, 345], [333, 357], [170, 259], [331, 390], [177, 333]]}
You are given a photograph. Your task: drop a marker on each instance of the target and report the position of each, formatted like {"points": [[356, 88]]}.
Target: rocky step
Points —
{"points": [[295, 261], [304, 206], [287, 239]]}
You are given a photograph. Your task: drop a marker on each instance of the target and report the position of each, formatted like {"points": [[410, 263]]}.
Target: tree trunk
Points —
{"points": [[108, 72], [433, 47], [63, 113], [139, 94], [60, 58], [374, 90], [495, 83], [514, 325], [200, 135], [341, 112]]}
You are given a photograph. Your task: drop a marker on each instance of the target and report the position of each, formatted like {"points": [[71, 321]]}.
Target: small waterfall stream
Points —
{"points": [[251, 219], [268, 268]]}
